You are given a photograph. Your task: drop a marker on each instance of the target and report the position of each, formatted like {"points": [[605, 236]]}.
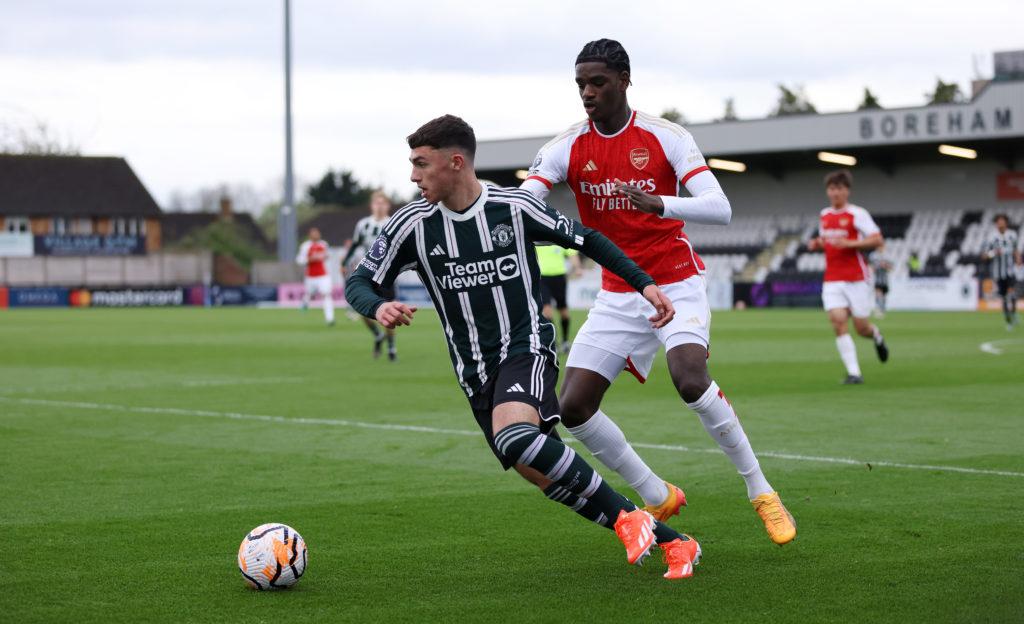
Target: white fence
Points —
{"points": [[154, 269]]}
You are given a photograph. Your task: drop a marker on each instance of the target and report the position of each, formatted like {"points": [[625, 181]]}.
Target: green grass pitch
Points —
{"points": [[137, 448]]}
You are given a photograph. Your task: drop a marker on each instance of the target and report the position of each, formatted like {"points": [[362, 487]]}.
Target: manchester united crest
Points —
{"points": [[639, 157], [502, 235]]}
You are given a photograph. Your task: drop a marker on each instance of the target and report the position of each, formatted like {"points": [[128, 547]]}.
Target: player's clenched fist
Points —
{"points": [[395, 313]]}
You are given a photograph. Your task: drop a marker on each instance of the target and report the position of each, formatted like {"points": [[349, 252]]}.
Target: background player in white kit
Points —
{"points": [[367, 230], [846, 231], [313, 255], [1001, 247], [625, 167]]}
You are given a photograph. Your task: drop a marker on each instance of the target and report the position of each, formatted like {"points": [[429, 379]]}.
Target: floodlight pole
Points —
{"points": [[287, 225]]}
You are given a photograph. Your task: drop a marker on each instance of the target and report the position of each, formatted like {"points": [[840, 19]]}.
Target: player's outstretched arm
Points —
{"points": [[707, 203], [664, 311], [394, 313]]}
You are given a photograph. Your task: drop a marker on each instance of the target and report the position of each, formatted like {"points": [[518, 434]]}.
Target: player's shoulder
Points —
{"points": [[857, 211], [660, 127], [513, 195], [567, 136], [409, 213]]}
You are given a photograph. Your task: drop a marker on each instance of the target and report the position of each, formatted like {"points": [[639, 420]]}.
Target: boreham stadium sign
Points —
{"points": [[915, 124]]}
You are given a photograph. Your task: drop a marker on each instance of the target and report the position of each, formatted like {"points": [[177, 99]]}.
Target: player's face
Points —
{"points": [[838, 194], [433, 172], [602, 90], [1001, 225], [314, 235], [379, 207]]}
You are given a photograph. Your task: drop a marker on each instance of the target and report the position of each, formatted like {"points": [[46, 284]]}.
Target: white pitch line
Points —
{"points": [[188, 383], [993, 347], [264, 418], [351, 423]]}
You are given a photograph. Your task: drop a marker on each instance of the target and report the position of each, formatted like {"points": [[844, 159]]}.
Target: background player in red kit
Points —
{"points": [[846, 231], [313, 255], [624, 168]]}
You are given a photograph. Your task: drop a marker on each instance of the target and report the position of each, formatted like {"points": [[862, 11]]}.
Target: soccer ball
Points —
{"points": [[272, 556]]}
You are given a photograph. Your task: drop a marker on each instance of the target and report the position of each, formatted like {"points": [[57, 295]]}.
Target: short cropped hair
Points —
{"points": [[607, 51], [843, 177], [379, 193], [445, 131]]}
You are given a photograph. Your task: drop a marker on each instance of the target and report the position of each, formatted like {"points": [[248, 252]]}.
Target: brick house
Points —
{"points": [[76, 195]]}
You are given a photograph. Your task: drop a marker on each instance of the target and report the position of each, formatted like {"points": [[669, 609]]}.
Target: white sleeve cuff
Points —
{"points": [[708, 203], [537, 188]]}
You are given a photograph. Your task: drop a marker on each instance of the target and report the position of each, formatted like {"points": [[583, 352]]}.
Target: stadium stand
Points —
{"points": [[774, 248]]}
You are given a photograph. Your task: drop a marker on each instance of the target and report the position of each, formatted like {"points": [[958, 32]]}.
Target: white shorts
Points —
{"points": [[617, 334], [319, 285], [853, 295]]}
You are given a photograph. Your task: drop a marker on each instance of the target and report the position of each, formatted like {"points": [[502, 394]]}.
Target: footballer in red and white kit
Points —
{"points": [[654, 156], [845, 233], [313, 255], [625, 168], [847, 275]]}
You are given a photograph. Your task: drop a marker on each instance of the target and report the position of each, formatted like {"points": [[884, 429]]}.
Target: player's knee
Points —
{"points": [[690, 375], [692, 387], [575, 413], [576, 405], [691, 381]]}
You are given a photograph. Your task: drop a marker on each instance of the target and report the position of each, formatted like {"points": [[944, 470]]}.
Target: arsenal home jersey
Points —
{"points": [[650, 153], [314, 267], [854, 223]]}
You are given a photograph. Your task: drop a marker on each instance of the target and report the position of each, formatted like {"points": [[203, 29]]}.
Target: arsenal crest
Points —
{"points": [[639, 157], [844, 222]]}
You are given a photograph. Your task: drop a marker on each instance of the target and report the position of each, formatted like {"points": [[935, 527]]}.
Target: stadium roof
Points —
{"points": [[992, 123], [72, 186]]}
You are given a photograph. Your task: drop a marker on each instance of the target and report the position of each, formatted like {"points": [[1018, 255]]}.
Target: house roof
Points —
{"points": [[174, 226], [72, 186], [336, 227]]}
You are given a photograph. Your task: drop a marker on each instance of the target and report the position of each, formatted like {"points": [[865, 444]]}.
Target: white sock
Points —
{"points": [[722, 424], [606, 442], [848, 353], [329, 307], [877, 334]]}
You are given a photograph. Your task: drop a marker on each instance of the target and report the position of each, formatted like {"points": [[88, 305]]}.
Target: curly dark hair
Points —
{"points": [[607, 51], [445, 131]]}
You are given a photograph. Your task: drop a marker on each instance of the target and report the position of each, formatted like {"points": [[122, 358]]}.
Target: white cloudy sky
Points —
{"points": [[191, 92]]}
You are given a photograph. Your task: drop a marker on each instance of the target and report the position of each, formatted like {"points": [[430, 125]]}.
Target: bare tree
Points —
{"points": [[37, 138]]}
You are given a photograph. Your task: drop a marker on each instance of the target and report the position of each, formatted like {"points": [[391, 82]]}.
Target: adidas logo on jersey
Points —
{"points": [[590, 166], [515, 388], [437, 251]]}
